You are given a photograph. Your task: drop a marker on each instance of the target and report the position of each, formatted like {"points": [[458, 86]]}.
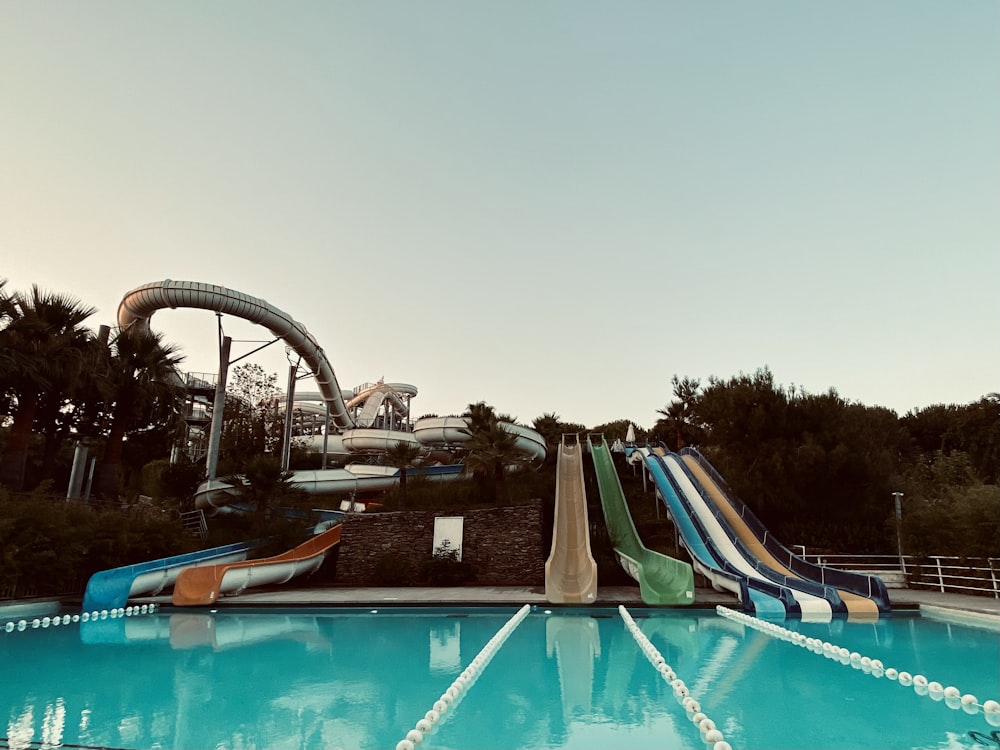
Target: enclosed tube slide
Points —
{"points": [[662, 579], [138, 305], [203, 586], [570, 571], [862, 597]]}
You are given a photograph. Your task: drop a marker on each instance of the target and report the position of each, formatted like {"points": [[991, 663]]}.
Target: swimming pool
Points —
{"points": [[352, 679]]}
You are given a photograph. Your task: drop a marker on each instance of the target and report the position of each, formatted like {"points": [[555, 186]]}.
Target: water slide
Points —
{"points": [[570, 571], [111, 589], [861, 596], [204, 585], [662, 579], [756, 596], [814, 602], [138, 306]]}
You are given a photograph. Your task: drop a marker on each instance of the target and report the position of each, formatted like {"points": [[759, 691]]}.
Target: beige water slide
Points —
{"points": [[570, 571]]}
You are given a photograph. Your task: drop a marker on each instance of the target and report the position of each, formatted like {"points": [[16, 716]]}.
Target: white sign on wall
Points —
{"points": [[448, 529]]}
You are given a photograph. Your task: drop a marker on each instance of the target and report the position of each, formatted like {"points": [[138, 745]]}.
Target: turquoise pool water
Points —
{"points": [[570, 679]]}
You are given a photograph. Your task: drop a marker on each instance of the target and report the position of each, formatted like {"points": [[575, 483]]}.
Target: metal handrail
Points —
{"points": [[944, 573]]}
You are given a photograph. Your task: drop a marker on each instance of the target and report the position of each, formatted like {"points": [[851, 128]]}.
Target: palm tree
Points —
{"points": [[679, 416], [44, 344], [264, 485], [146, 387], [402, 455], [491, 448]]}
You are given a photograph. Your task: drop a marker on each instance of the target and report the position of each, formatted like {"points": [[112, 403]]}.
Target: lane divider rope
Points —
{"points": [[952, 696], [44, 622], [710, 734], [451, 697]]}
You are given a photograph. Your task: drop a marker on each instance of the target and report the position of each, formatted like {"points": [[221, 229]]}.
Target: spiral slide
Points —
{"points": [[862, 597], [570, 571], [662, 579]]}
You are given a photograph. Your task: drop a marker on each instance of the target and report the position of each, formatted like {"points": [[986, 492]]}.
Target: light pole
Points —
{"points": [[899, 533]]}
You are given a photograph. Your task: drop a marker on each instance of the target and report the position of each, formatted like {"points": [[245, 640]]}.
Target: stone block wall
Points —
{"points": [[503, 545]]}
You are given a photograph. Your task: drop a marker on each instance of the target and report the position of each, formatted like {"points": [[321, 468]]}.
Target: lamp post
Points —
{"points": [[899, 533]]}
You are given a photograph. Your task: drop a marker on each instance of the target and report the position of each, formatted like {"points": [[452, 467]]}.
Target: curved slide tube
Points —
{"points": [[138, 305], [759, 597], [570, 571], [662, 579], [857, 606], [111, 589], [203, 586]]}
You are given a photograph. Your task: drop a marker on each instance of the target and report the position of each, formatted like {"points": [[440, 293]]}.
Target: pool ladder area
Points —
{"points": [[451, 697], [952, 696]]}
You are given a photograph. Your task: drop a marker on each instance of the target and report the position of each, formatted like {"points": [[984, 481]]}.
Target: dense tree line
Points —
{"points": [[818, 469], [62, 382], [821, 471]]}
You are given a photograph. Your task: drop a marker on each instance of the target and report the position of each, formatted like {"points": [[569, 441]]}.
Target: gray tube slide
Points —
{"points": [[138, 305]]}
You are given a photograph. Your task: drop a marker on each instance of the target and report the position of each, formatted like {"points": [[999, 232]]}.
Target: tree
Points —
{"points": [[146, 388], [552, 428], [679, 421], [264, 486], [402, 455], [44, 344], [252, 422], [491, 448]]}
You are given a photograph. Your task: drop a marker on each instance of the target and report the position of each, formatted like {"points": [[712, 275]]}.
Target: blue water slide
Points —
{"points": [[815, 602], [756, 597], [110, 589], [869, 586]]}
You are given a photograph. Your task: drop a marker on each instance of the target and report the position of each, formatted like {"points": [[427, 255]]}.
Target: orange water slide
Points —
{"points": [[204, 585]]}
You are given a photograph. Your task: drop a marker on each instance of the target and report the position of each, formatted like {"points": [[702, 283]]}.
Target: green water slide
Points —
{"points": [[662, 579]]}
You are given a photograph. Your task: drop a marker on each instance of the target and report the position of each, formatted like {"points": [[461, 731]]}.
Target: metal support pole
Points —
{"points": [[218, 407], [326, 434], [897, 496], [90, 479], [286, 440], [75, 489]]}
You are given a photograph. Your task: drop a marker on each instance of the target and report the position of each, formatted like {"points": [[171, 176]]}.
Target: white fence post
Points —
{"points": [[940, 576]]}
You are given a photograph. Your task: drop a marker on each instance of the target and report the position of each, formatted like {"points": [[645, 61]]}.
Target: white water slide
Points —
{"points": [[358, 436]]}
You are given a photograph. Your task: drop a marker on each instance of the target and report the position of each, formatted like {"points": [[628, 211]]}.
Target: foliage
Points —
{"points": [[491, 449], [618, 430], [53, 548], [253, 423], [264, 486], [45, 352], [403, 456], [444, 568], [145, 390]]}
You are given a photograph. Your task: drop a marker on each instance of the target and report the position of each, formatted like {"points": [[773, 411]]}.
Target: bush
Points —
{"points": [[445, 569]]}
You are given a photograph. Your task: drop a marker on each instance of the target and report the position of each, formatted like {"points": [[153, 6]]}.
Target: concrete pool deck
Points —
{"points": [[988, 609]]}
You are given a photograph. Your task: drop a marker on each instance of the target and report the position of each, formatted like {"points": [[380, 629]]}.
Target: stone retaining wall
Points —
{"points": [[502, 545]]}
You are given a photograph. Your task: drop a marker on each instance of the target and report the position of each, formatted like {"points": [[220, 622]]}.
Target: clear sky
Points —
{"points": [[552, 207]]}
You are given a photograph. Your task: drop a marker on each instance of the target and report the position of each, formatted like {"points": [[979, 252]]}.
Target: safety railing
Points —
{"points": [[944, 573]]}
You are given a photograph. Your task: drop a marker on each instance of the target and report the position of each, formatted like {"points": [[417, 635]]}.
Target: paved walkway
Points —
{"points": [[903, 599]]}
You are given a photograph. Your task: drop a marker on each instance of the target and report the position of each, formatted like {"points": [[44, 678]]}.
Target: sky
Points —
{"points": [[552, 207]]}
